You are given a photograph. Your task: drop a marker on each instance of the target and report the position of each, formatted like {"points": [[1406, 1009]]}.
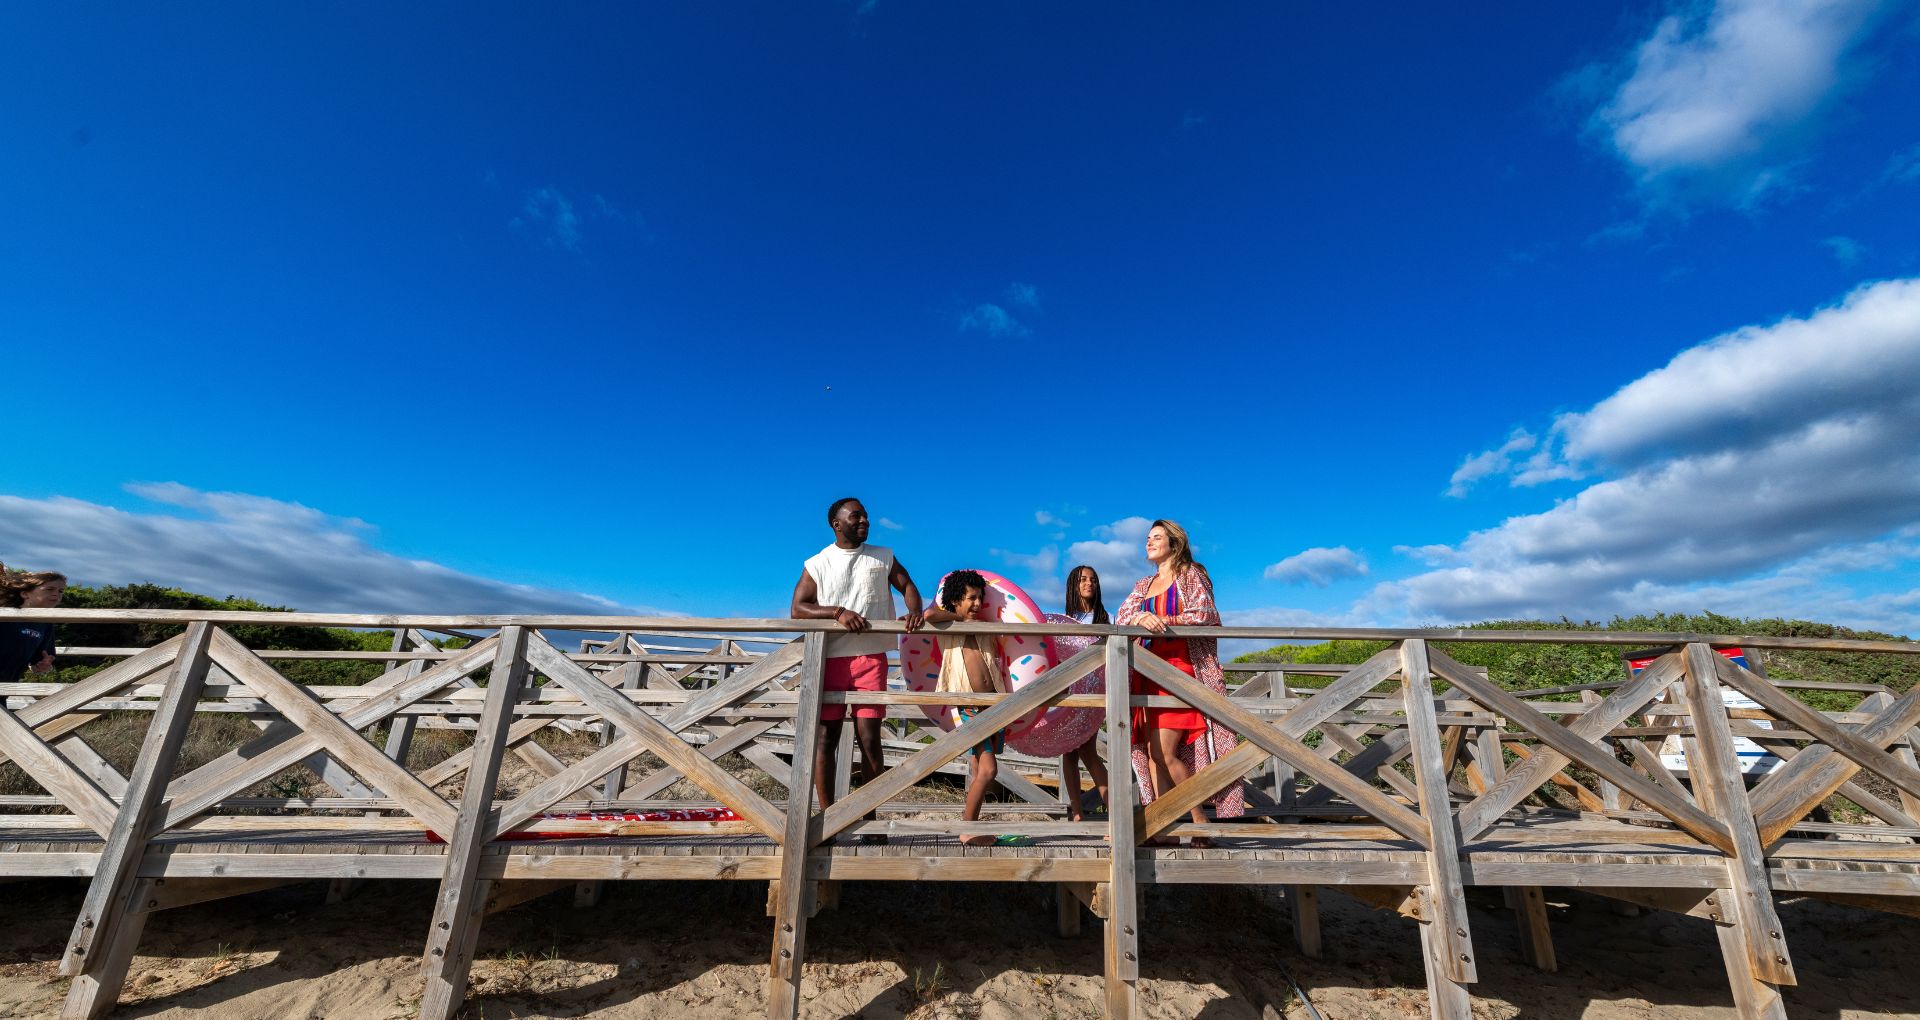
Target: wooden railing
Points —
{"points": [[1374, 756]]}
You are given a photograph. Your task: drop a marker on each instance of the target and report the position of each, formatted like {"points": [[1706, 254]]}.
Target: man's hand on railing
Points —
{"points": [[851, 620], [914, 620]]}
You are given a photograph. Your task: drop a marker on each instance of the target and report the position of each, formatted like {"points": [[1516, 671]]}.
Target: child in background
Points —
{"points": [[1084, 606], [28, 646], [968, 666]]}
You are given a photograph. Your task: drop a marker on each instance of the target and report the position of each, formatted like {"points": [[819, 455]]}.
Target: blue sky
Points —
{"points": [[1412, 316]]}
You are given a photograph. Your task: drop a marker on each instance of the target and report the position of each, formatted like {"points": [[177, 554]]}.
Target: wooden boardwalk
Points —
{"points": [[1373, 784]]}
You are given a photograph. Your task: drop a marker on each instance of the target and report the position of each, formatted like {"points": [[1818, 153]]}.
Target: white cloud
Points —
{"points": [[1904, 167], [1045, 519], [1046, 561], [1319, 567], [1851, 361], [992, 320], [1023, 295], [1718, 86], [1038, 575], [1745, 465], [1846, 249], [551, 214], [1118, 555], [890, 524], [1133, 529], [1489, 462], [276, 552], [1433, 555]]}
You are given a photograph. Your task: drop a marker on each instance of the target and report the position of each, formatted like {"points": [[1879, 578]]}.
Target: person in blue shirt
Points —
{"points": [[28, 644]]}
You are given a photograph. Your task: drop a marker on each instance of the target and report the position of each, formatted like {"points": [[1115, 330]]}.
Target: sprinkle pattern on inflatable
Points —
{"points": [[1060, 730], [1023, 657]]}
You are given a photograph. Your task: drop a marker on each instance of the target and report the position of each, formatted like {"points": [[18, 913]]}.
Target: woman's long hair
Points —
{"points": [[1076, 605], [1181, 547], [15, 584]]}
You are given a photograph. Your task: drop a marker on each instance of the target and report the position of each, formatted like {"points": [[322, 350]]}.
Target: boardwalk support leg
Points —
{"points": [[107, 930], [793, 891], [1303, 901], [1066, 910], [1448, 949], [1536, 938], [463, 895], [1123, 904], [1755, 946]]}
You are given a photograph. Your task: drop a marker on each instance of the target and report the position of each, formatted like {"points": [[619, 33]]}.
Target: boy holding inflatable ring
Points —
{"points": [[851, 582], [968, 666]]}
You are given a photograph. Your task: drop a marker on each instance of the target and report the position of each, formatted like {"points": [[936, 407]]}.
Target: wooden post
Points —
{"points": [[1761, 962], [1284, 793], [106, 933], [463, 895], [1304, 902], [1536, 938], [400, 729], [1066, 910], [1902, 750], [1609, 793], [1443, 929], [1123, 913], [791, 909]]}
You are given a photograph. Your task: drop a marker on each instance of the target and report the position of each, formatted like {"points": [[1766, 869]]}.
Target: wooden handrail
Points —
{"points": [[608, 624]]}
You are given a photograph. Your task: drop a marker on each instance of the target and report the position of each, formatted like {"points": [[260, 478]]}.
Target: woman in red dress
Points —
{"points": [[1171, 744]]}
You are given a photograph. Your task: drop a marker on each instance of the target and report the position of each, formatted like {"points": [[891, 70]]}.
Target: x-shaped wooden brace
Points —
{"points": [[952, 744], [641, 732], [1592, 725], [1280, 738], [725, 739], [1577, 743], [28, 737], [1793, 789], [301, 709], [285, 744]]}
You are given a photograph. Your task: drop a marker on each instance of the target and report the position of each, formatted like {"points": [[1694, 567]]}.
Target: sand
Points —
{"points": [[926, 951]]}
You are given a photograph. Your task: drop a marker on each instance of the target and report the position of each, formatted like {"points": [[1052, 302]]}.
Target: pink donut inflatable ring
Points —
{"points": [[1023, 657], [1062, 729]]}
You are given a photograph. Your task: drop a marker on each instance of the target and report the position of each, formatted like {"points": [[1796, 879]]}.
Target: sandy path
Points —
{"points": [[925, 951]]}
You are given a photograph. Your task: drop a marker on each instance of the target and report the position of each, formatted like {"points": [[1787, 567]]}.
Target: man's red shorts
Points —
{"points": [[855, 673]]}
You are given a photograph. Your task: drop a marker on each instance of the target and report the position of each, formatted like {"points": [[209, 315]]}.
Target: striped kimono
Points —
{"points": [[1196, 610]]}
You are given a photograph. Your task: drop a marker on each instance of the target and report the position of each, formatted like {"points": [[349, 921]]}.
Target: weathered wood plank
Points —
{"points": [[651, 735], [463, 893], [1276, 741], [1713, 767], [284, 744], [1447, 896], [1121, 925], [1795, 788], [1303, 903], [303, 710], [1701, 825], [803, 831], [1536, 936], [1593, 724], [953, 743], [45, 766], [105, 934], [1865, 753]]}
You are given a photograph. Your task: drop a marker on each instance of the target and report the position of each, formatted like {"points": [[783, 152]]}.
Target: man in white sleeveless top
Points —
{"points": [[851, 582]]}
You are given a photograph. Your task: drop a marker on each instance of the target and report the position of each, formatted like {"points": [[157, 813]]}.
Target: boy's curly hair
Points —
{"points": [[956, 586]]}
